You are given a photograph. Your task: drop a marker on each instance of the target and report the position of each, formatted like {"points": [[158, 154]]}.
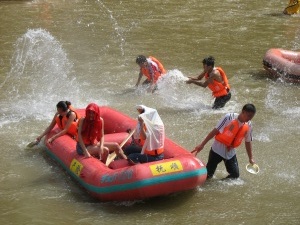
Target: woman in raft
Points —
{"points": [[91, 135], [66, 119]]}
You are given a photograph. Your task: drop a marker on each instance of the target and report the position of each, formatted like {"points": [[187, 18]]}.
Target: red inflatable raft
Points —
{"points": [[178, 171], [283, 63]]}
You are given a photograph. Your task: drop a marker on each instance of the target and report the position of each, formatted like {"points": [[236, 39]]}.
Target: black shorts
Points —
{"points": [[221, 101]]}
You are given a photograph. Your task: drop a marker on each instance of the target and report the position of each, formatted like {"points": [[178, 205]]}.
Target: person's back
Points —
{"points": [[151, 68]]}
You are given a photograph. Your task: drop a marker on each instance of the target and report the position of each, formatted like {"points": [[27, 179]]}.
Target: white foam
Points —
{"points": [[40, 76]]}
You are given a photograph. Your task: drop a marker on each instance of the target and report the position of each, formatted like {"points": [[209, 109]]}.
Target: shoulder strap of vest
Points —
{"points": [[224, 77], [60, 119], [160, 66], [71, 108]]}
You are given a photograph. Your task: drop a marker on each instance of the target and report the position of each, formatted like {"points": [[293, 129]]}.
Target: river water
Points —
{"points": [[84, 51]]}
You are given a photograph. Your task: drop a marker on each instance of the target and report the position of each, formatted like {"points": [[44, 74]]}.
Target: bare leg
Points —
{"points": [[113, 146], [93, 150], [104, 154]]}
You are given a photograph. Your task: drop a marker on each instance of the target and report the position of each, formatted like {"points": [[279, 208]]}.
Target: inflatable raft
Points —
{"points": [[119, 181], [283, 64]]}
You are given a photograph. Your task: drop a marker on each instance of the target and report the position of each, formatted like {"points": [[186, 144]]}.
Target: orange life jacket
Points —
{"points": [[157, 68], [73, 109], [61, 122], [232, 134], [154, 152], [219, 89]]}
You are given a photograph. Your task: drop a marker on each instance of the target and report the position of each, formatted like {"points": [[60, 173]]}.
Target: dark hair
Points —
{"points": [[209, 61], [141, 59], [64, 105], [249, 108]]}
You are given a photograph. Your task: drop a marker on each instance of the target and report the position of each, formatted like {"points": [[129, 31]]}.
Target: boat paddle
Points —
{"points": [[113, 155], [252, 168], [32, 144]]}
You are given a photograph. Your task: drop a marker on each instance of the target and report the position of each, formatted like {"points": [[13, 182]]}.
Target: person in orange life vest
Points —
{"points": [[152, 69], [91, 135], [65, 118], [150, 130], [228, 134], [216, 80]]}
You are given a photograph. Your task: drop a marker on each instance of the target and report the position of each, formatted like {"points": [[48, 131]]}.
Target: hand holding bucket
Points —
{"points": [[252, 168]]}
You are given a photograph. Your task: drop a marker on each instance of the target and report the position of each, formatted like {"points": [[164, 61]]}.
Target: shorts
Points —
{"points": [[221, 101], [79, 149], [144, 158], [132, 149]]}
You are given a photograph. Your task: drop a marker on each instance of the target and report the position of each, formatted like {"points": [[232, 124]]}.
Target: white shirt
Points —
{"points": [[219, 147]]}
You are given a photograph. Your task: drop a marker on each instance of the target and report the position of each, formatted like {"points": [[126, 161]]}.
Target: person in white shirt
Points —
{"points": [[228, 134]]}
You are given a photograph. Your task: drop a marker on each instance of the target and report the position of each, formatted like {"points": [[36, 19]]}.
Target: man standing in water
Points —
{"points": [[228, 134], [216, 80], [151, 68]]}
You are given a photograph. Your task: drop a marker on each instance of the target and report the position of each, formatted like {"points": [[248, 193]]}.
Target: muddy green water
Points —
{"points": [[84, 51]]}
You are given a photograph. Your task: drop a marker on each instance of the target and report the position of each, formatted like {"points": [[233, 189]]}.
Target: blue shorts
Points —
{"points": [[79, 149]]}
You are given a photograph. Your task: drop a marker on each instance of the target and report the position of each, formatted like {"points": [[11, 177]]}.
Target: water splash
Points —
{"points": [[263, 137], [119, 31], [173, 90], [39, 77]]}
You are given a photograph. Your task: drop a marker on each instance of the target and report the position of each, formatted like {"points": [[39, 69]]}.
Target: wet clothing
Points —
{"points": [[220, 152], [221, 101], [231, 165], [220, 90]]}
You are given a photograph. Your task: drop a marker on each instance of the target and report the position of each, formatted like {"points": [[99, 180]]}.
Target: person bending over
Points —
{"points": [[216, 80], [152, 69], [228, 135]]}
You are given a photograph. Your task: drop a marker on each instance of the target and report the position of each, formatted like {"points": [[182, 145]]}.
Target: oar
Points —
{"points": [[252, 168], [113, 155], [32, 144]]}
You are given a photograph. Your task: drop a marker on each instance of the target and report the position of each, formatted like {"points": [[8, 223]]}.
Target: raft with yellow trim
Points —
{"points": [[119, 181], [283, 64]]}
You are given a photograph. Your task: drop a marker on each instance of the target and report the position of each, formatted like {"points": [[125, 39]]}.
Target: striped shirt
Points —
{"points": [[219, 147]]}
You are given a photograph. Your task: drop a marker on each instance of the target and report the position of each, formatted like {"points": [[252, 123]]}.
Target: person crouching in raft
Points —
{"points": [[150, 132], [66, 119], [216, 80], [152, 69], [91, 135]]}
